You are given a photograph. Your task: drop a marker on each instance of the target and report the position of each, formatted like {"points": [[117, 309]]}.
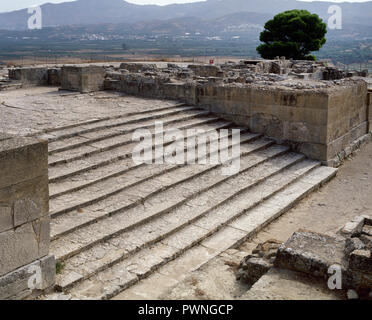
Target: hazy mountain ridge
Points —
{"points": [[86, 12]]}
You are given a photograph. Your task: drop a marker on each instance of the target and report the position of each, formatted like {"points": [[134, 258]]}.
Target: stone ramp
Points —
{"points": [[115, 223]]}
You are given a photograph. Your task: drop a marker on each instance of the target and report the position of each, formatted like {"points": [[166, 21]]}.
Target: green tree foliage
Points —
{"points": [[292, 34]]}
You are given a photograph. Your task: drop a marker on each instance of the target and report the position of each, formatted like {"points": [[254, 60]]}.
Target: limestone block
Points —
{"points": [[23, 245], [22, 159], [353, 244], [6, 218], [341, 144], [353, 228], [206, 70], [253, 269], [361, 260], [83, 78], [302, 131], [138, 67], [29, 199], [316, 151], [180, 91], [311, 253], [30, 75], [347, 109], [24, 218]]}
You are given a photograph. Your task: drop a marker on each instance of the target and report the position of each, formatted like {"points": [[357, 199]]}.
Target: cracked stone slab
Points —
{"points": [[311, 253]]}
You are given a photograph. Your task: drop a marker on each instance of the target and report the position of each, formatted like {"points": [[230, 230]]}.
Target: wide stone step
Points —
{"points": [[129, 215], [117, 127], [204, 204], [103, 188], [93, 121], [117, 168], [124, 139], [186, 228], [68, 131], [149, 191], [193, 246], [67, 170]]}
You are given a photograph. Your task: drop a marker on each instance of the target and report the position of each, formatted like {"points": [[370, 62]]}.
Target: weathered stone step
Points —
{"points": [[12, 85], [171, 256], [96, 120], [157, 205], [124, 139], [190, 223], [132, 196], [118, 168], [103, 189], [101, 140], [69, 131], [117, 127], [73, 168]]}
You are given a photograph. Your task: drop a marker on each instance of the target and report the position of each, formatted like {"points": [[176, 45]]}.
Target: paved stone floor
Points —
{"points": [[29, 110]]}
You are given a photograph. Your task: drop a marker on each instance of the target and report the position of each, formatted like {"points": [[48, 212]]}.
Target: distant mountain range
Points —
{"points": [[256, 12]]}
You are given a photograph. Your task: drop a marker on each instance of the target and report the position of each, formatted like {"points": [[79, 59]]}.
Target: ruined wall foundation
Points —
{"points": [[318, 110], [26, 266], [82, 78], [319, 123]]}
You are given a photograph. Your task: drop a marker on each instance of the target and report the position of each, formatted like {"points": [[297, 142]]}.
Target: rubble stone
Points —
{"points": [[254, 266], [353, 244], [361, 260], [311, 253], [367, 230], [352, 295], [354, 227], [30, 75]]}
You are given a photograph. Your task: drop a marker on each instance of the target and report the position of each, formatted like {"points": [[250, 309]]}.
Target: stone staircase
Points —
{"points": [[6, 85], [114, 223]]}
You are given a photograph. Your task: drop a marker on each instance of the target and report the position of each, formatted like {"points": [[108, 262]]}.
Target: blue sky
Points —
{"points": [[9, 5]]}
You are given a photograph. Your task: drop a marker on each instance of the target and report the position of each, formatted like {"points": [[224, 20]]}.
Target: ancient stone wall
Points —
{"points": [[25, 265], [30, 76], [83, 78], [319, 118], [319, 121], [185, 92], [36, 75], [347, 117], [321, 124], [138, 67], [206, 70], [54, 76]]}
